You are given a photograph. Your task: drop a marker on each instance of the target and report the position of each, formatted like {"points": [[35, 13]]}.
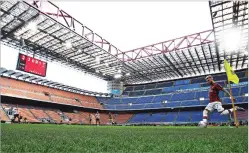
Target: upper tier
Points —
{"points": [[16, 88], [169, 86], [179, 93]]}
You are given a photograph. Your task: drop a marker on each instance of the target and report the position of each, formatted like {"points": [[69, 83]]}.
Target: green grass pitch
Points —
{"points": [[75, 138]]}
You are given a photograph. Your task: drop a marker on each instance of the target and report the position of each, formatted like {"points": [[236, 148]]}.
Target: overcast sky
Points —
{"points": [[127, 25]]}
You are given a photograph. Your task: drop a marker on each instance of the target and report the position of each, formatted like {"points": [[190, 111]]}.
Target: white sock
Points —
{"points": [[205, 115], [225, 112]]}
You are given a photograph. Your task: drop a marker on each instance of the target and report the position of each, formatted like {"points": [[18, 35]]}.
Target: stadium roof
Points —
{"points": [[57, 36], [40, 81]]}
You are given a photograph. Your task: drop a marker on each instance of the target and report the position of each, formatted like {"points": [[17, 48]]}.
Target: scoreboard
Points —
{"points": [[31, 65]]}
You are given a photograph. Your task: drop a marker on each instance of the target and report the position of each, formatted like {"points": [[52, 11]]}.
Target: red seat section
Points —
{"points": [[23, 89], [122, 118]]}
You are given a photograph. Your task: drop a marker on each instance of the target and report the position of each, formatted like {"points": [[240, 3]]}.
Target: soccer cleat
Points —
{"points": [[239, 108], [202, 124]]}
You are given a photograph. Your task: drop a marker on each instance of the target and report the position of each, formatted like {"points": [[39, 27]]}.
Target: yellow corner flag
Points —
{"points": [[231, 76]]}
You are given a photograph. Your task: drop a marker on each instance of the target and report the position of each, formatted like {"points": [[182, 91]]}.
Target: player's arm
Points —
{"points": [[227, 92], [224, 90], [219, 87]]}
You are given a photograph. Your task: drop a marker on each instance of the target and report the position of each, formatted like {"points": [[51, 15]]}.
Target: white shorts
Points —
{"points": [[214, 105]]}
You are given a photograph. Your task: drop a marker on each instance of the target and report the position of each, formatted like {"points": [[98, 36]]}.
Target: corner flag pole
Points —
{"points": [[231, 76], [234, 111]]}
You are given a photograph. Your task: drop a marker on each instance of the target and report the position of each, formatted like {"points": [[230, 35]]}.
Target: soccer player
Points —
{"points": [[215, 102], [15, 115], [110, 118], [90, 118], [97, 116]]}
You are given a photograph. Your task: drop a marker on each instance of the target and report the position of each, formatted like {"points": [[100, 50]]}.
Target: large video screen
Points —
{"points": [[31, 65]]}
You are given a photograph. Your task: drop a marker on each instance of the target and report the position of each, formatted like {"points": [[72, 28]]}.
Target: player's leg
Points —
{"points": [[223, 111], [209, 109], [14, 118], [205, 115]]}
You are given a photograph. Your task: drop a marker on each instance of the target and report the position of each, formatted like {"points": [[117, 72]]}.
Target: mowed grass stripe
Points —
{"points": [[71, 138]]}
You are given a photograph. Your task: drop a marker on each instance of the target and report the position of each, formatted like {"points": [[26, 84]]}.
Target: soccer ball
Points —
{"points": [[202, 124]]}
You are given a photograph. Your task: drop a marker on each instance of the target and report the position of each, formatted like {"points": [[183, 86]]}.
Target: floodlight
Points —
{"points": [[230, 40]]}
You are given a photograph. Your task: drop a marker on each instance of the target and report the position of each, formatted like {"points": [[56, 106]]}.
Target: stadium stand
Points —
{"points": [[173, 94], [122, 118], [3, 115], [181, 117], [22, 89], [39, 113], [49, 115], [179, 93]]}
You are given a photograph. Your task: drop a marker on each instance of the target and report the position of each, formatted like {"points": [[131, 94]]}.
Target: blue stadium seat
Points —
{"points": [[182, 82], [128, 100], [150, 86], [205, 85], [136, 106], [222, 83], [196, 116], [220, 77], [190, 86], [241, 74], [109, 106], [198, 80], [170, 89], [126, 93], [153, 92], [145, 99], [189, 103], [153, 105], [244, 90], [113, 101], [186, 103], [162, 98], [183, 96], [129, 89], [200, 94], [204, 102], [170, 117], [137, 93], [157, 117], [173, 104], [235, 91], [164, 84], [138, 118], [216, 117], [140, 87], [241, 99], [226, 100], [243, 80], [183, 117]]}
